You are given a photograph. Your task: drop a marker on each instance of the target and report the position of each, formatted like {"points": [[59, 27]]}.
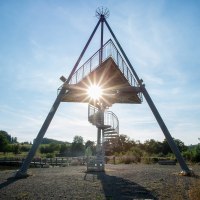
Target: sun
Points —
{"points": [[94, 92]]}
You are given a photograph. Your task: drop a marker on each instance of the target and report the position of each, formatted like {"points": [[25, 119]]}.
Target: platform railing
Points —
{"points": [[109, 50]]}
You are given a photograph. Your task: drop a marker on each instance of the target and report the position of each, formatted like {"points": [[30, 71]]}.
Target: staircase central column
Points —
{"points": [[100, 156], [98, 148]]}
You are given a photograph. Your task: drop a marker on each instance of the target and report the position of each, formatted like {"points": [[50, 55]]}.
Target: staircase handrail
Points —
{"points": [[109, 117], [114, 122]]}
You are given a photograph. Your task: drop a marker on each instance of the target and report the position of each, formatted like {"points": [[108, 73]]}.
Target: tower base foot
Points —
{"points": [[187, 173]]}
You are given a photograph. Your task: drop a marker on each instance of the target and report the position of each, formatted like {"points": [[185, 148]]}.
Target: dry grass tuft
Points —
{"points": [[194, 192]]}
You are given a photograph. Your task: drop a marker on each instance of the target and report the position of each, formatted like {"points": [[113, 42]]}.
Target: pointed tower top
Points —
{"points": [[101, 11]]}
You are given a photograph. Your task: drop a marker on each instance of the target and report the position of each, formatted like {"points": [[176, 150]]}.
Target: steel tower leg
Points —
{"points": [[159, 119], [103, 150], [22, 172], [162, 125]]}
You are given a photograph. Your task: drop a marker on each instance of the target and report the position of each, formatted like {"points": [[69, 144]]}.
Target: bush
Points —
{"points": [[49, 148], [193, 155], [127, 159], [149, 160], [50, 155], [25, 148], [16, 149], [75, 162]]}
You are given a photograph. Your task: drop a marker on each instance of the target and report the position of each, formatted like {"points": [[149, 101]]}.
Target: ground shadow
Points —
{"points": [[119, 188], [8, 182]]}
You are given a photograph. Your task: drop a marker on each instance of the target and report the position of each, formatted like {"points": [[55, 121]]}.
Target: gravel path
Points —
{"points": [[136, 181]]}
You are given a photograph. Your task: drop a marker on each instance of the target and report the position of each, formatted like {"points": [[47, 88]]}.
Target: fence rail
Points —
{"points": [[42, 162]]}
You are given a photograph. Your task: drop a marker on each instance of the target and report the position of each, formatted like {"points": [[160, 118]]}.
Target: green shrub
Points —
{"points": [[149, 160], [193, 154], [50, 155]]}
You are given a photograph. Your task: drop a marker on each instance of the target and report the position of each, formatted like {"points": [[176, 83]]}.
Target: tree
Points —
{"points": [[14, 140], [193, 153], [25, 147], [119, 145], [78, 139], [197, 153], [3, 143], [65, 150], [16, 148], [49, 148], [153, 147], [8, 137], [90, 146], [166, 148], [181, 146], [77, 147]]}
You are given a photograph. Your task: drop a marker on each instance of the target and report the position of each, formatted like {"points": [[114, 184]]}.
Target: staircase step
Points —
{"points": [[109, 129], [111, 136], [103, 126], [111, 133]]}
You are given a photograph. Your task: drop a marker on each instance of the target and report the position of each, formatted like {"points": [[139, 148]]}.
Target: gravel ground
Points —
{"points": [[135, 181]]}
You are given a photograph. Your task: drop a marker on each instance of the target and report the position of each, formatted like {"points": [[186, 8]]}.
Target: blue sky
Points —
{"points": [[41, 40]]}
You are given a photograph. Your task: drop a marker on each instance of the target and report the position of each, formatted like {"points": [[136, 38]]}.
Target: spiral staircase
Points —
{"points": [[106, 120], [109, 123]]}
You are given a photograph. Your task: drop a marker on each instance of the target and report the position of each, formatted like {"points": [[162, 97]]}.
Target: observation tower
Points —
{"points": [[106, 78]]}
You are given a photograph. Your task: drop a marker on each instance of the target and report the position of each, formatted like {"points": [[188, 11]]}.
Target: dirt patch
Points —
{"points": [[135, 181]]}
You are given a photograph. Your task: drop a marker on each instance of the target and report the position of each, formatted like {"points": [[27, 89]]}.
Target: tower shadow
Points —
{"points": [[7, 182], [117, 188]]}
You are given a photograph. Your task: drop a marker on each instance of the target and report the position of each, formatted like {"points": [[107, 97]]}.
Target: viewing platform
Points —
{"points": [[112, 75]]}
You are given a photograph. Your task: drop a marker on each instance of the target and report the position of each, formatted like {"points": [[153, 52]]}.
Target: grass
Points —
{"points": [[21, 155], [194, 191], [22, 195], [11, 155]]}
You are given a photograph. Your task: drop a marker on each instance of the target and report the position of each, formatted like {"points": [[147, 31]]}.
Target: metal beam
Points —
{"points": [[165, 130], [22, 172], [101, 45], [153, 108]]}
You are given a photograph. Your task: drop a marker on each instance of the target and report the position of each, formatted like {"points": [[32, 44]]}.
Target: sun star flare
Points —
{"points": [[94, 92]]}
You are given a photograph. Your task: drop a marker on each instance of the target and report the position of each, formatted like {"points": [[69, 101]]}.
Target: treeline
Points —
{"points": [[77, 148], [48, 147], [8, 143], [123, 146], [49, 141]]}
